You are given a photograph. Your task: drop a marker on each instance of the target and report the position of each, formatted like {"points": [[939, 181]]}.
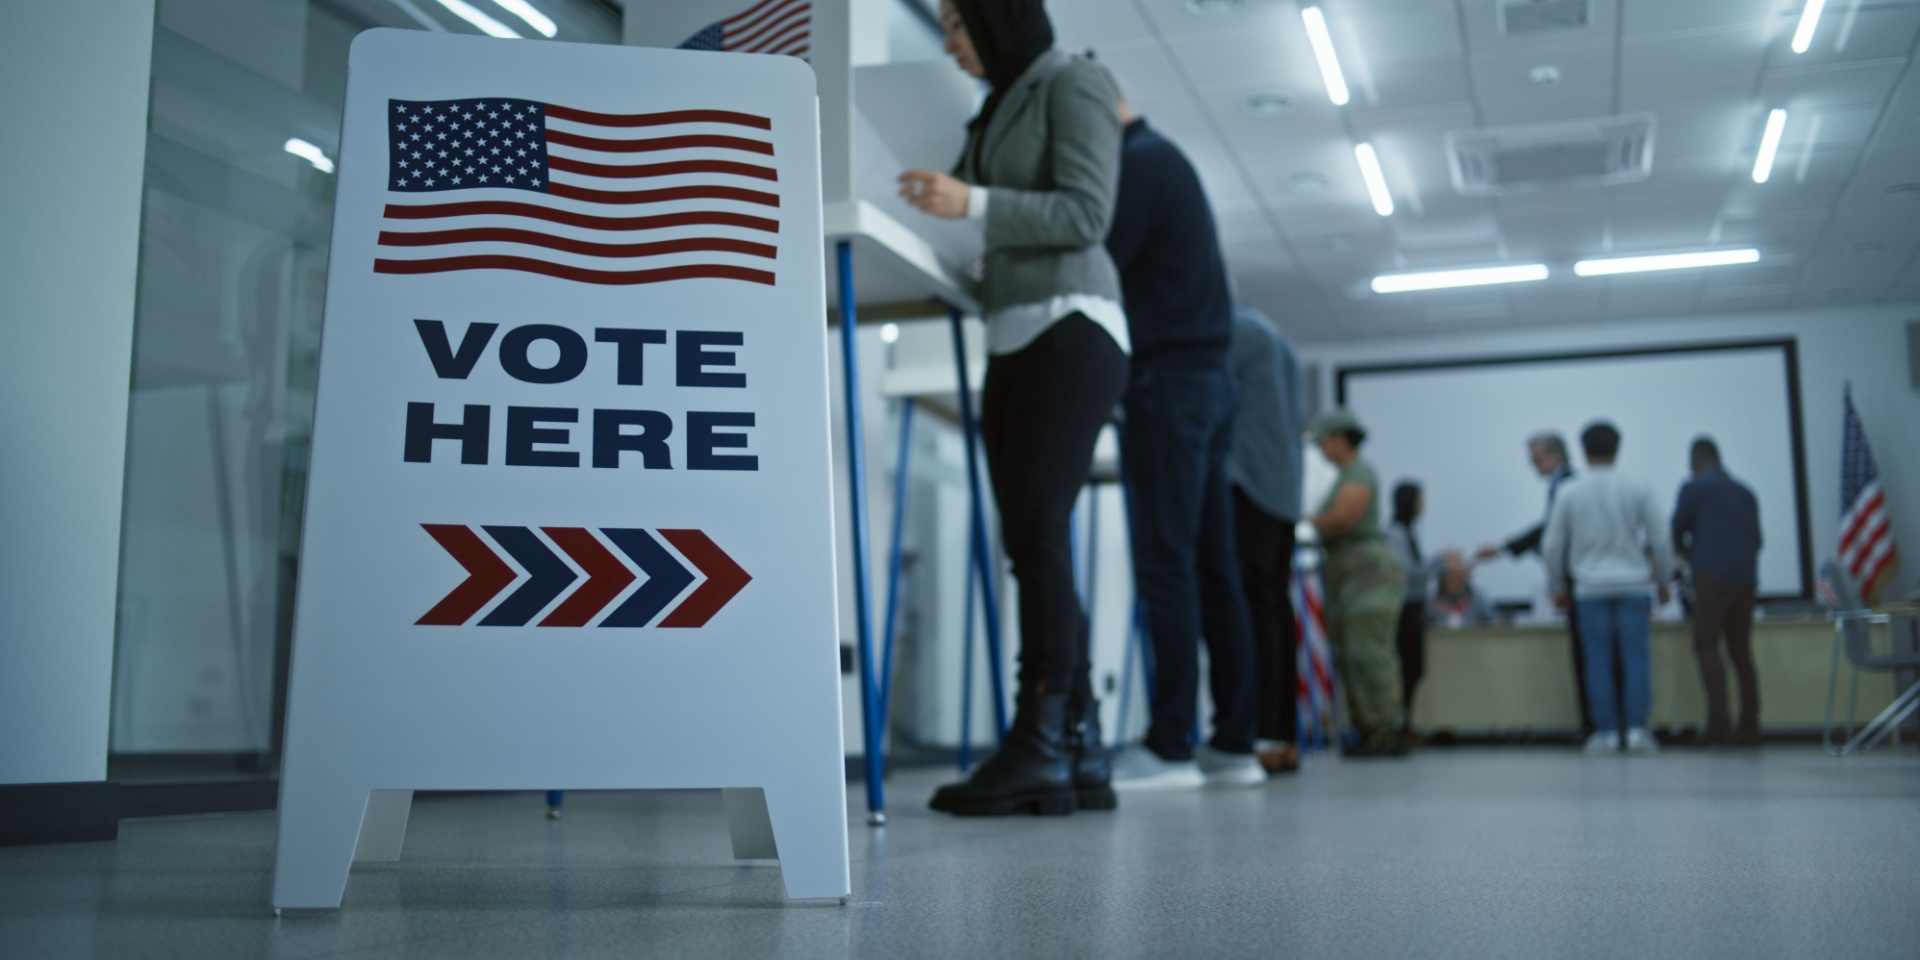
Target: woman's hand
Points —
{"points": [[934, 193]]}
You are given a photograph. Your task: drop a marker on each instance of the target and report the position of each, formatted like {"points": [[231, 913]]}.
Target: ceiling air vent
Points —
{"points": [[1519, 18], [1605, 151]]}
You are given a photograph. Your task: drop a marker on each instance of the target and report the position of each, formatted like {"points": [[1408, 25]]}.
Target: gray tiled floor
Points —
{"points": [[1465, 853]]}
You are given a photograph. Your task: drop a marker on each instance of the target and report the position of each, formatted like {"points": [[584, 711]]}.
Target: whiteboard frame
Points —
{"points": [[1790, 356]]}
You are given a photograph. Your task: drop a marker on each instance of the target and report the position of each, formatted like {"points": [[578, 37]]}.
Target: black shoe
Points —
{"points": [[1378, 745], [1032, 772], [1092, 765]]}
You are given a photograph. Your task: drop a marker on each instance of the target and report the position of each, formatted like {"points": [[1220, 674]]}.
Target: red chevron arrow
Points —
{"points": [[606, 577], [724, 579], [487, 575]]}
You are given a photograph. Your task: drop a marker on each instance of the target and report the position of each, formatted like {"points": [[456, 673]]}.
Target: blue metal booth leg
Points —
{"points": [[895, 560], [982, 556], [870, 726]]}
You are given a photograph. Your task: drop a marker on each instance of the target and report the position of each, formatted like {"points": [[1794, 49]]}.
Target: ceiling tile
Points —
{"points": [[1585, 70], [1644, 17], [1821, 86], [1572, 300], [1173, 19], [1084, 23], [1651, 295], [1734, 52], [1526, 110], [1369, 34]]}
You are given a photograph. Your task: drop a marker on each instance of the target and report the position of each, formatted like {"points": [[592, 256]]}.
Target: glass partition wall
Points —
{"points": [[243, 126]]}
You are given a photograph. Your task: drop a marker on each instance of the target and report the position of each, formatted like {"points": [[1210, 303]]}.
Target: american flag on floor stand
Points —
{"points": [[549, 189], [770, 26], [1867, 550], [1315, 659]]}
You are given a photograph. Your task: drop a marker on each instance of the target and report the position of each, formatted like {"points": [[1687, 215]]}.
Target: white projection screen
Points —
{"points": [[1459, 427]]}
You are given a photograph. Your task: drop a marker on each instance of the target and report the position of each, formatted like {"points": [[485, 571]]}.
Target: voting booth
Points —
{"points": [[888, 261], [569, 522]]}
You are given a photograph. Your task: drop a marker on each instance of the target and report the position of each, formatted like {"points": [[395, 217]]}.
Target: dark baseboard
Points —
{"points": [[79, 812], [183, 799]]}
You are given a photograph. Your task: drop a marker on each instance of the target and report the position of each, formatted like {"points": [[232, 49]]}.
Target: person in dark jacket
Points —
{"points": [[1716, 529], [1038, 172], [1267, 467], [1179, 406]]}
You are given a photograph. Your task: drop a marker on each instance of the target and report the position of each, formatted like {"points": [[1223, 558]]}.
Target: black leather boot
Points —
{"points": [[1092, 765], [1032, 773]]}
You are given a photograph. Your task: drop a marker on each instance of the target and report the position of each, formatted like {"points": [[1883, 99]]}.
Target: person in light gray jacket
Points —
{"points": [[1599, 538], [1039, 171]]}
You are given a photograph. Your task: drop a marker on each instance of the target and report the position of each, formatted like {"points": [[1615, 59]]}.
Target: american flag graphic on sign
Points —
{"points": [[769, 26], [1866, 527], [588, 197]]}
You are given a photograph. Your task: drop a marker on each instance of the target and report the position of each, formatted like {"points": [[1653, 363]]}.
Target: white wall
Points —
{"points": [[1865, 345], [73, 90]]}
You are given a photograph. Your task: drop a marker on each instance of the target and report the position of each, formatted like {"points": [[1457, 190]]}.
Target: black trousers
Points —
{"points": [[1266, 545], [1724, 608], [1179, 434], [1412, 644], [1040, 412]]}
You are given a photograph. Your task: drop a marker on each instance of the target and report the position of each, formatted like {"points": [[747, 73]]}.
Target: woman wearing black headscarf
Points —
{"points": [[1039, 170]]}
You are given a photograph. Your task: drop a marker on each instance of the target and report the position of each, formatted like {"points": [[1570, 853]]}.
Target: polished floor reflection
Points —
{"points": [[1461, 853]]}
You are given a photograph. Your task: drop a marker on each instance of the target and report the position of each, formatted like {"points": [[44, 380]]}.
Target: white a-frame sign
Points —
{"points": [[569, 523]]}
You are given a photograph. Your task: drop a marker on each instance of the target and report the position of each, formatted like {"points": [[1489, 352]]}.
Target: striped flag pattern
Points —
{"points": [[1315, 666], [783, 27], [1866, 527], [587, 197]]}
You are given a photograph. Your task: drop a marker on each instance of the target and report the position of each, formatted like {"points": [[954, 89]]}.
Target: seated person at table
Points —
{"points": [[1456, 604]]}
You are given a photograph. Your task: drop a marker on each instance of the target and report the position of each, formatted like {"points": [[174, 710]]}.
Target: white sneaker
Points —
{"points": [[1639, 740], [1602, 742], [1138, 768], [1222, 769]]}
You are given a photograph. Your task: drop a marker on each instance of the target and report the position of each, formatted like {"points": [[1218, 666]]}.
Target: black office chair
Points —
{"points": [[1853, 632]]}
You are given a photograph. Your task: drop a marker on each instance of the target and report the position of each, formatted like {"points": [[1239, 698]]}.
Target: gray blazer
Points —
{"points": [[1051, 158]]}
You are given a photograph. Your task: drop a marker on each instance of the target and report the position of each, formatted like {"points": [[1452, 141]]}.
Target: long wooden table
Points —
{"points": [[1505, 680]]}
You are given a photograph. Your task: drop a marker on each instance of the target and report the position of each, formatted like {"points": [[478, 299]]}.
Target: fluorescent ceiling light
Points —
{"points": [[487, 25], [1809, 19], [1672, 261], [540, 22], [310, 153], [1323, 52], [1376, 181], [1769, 145], [1443, 279]]}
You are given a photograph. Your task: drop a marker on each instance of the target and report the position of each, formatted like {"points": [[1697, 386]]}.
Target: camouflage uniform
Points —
{"points": [[1365, 586]]}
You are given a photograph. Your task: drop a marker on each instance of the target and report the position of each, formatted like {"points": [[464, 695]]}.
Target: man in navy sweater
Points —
{"points": [[1716, 527], [1179, 407]]}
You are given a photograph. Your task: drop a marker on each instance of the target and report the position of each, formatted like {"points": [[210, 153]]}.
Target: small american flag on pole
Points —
{"points": [[769, 26], [1314, 667], [552, 190], [1867, 549]]}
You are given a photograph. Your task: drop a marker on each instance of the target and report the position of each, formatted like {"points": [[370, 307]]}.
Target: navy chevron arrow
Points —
{"points": [[550, 575], [665, 578]]}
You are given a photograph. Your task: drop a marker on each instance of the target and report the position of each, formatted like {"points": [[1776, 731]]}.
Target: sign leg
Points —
{"points": [[319, 829], [810, 829], [749, 824], [384, 828]]}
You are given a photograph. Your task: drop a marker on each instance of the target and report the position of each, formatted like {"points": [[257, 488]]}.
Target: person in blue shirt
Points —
{"points": [[1716, 528]]}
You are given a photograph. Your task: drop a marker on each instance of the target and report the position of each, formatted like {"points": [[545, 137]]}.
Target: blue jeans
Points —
{"points": [[1179, 432], [1625, 624]]}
